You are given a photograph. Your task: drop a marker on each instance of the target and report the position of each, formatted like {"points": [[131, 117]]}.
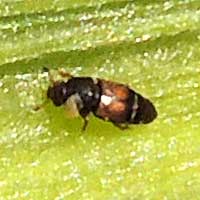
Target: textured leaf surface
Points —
{"points": [[153, 47]]}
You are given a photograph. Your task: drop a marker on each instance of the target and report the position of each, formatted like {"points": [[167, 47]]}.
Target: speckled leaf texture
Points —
{"points": [[153, 46]]}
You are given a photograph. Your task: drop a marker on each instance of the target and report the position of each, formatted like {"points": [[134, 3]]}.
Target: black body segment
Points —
{"points": [[145, 112]]}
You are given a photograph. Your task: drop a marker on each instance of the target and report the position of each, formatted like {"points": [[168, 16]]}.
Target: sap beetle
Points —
{"points": [[108, 100]]}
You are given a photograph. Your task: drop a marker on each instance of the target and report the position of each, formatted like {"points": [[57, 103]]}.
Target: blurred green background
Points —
{"points": [[153, 46]]}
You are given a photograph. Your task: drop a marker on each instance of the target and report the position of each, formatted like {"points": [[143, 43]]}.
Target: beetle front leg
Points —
{"points": [[84, 114]]}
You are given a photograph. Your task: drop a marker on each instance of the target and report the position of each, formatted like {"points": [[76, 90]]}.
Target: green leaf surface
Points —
{"points": [[153, 47]]}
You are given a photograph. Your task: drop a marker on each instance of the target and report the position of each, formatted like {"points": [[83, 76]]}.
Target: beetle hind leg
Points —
{"points": [[121, 126]]}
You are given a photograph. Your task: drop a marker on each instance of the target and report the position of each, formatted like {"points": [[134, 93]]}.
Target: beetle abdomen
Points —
{"points": [[120, 104]]}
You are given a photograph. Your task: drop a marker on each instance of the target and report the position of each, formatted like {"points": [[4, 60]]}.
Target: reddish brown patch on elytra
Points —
{"points": [[116, 111], [117, 106], [121, 92], [114, 89], [102, 111], [108, 92]]}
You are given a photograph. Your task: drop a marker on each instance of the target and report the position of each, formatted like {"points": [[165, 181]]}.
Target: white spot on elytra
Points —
{"points": [[106, 100], [134, 107]]}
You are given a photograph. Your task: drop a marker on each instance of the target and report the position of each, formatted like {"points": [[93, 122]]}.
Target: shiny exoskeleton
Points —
{"points": [[107, 100]]}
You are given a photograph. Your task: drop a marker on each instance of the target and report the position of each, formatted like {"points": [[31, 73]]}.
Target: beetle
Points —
{"points": [[108, 100]]}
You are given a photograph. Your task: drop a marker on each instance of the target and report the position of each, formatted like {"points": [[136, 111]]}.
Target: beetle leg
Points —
{"points": [[84, 114], [120, 126], [86, 120], [37, 107]]}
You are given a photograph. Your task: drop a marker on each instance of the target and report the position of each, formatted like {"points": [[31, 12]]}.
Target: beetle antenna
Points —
{"points": [[50, 75], [63, 73], [40, 106]]}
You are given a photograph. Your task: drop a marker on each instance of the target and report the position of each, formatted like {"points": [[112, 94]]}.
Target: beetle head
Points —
{"points": [[58, 93]]}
